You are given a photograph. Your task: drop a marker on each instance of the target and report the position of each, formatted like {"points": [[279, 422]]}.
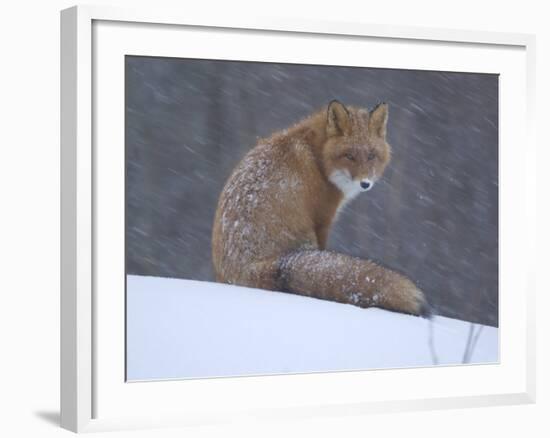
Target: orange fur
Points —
{"points": [[275, 212]]}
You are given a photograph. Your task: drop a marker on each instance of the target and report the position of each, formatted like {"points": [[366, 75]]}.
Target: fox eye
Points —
{"points": [[371, 156], [349, 156]]}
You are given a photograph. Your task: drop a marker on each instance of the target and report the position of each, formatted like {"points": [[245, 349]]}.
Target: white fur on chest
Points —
{"points": [[349, 188]]}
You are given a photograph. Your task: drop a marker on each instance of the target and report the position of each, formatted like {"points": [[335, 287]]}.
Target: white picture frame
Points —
{"points": [[93, 396]]}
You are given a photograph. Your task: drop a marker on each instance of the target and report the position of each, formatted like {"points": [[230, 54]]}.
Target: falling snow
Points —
{"points": [[433, 215]]}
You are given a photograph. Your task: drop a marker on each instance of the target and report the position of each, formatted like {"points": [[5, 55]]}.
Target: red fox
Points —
{"points": [[276, 209]]}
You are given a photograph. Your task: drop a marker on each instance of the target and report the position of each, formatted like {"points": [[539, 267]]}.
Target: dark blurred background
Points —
{"points": [[433, 216]]}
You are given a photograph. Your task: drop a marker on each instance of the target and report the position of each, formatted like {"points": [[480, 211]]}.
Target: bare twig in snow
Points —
{"points": [[468, 343], [474, 342], [431, 343]]}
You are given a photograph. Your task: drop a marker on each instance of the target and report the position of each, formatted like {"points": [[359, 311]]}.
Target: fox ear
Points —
{"points": [[338, 122], [378, 120]]}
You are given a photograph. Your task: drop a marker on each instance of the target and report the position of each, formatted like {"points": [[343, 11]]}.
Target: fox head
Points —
{"points": [[355, 152]]}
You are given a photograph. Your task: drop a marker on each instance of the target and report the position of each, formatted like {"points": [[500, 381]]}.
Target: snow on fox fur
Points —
{"points": [[277, 207]]}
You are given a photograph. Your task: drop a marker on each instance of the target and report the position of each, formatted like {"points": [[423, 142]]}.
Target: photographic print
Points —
{"points": [[292, 218]]}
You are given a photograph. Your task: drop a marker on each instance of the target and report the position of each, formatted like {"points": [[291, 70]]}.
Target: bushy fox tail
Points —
{"points": [[337, 277]]}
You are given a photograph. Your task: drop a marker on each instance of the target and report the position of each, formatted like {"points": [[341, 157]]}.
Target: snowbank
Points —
{"points": [[189, 329]]}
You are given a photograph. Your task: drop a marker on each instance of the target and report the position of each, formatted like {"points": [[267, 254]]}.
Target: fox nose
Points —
{"points": [[365, 185]]}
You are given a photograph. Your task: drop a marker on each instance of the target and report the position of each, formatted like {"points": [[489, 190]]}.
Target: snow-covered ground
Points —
{"points": [[190, 329]]}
